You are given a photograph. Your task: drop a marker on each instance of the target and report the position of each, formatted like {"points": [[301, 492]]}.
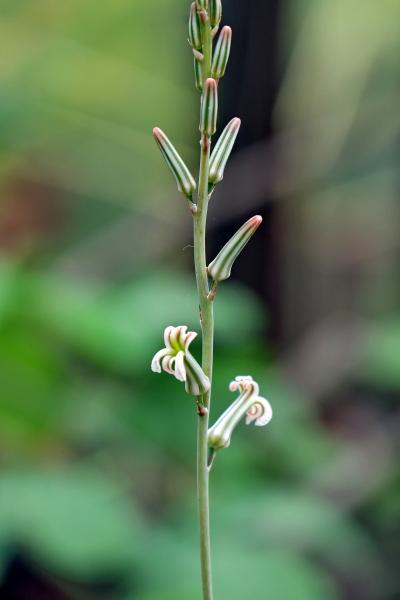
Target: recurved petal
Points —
{"points": [[167, 364], [180, 371], [156, 362], [167, 333], [260, 412], [189, 337]]}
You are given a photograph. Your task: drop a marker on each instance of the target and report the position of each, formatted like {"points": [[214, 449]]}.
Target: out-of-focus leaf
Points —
{"points": [[123, 327], [74, 521], [380, 360]]}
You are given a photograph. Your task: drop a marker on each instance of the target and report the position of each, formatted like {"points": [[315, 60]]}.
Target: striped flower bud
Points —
{"points": [[221, 266], [176, 360], [249, 404], [221, 53], [198, 75], [209, 108], [194, 28], [215, 12], [184, 179], [222, 150]]}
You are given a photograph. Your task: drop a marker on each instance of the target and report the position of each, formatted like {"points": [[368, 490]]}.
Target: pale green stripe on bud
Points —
{"points": [[221, 53], [184, 179], [194, 28], [222, 150], [221, 266], [215, 12], [198, 75], [209, 108], [202, 4]]}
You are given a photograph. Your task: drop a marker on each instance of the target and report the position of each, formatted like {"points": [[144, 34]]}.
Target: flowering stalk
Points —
{"points": [[175, 358]]}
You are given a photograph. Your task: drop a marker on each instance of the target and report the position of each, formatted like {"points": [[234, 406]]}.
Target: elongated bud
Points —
{"points": [[222, 150], [221, 53], [221, 266], [198, 75], [215, 12], [184, 179], [248, 404], [209, 108], [194, 28]]}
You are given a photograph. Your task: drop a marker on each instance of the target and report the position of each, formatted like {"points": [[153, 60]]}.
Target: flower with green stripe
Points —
{"points": [[248, 404], [176, 360]]}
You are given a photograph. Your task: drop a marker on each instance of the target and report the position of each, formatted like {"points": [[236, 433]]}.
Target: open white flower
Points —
{"points": [[249, 403], [176, 360]]}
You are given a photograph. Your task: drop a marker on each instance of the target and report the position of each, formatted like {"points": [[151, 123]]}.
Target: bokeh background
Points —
{"points": [[97, 455]]}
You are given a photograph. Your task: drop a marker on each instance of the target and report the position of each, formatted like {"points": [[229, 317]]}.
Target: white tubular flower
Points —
{"points": [[249, 404], [176, 360]]}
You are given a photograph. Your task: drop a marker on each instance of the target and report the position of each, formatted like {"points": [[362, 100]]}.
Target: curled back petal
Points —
{"points": [[260, 412], [167, 364], [156, 362]]}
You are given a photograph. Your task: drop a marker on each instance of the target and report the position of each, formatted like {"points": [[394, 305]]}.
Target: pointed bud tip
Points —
{"points": [[157, 133], [226, 30], [256, 220]]}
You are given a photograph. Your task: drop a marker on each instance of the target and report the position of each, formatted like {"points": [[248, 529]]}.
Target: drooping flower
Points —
{"points": [[249, 404], [176, 360]]}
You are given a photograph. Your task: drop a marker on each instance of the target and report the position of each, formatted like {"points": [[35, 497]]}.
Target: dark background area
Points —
{"points": [[97, 454]]}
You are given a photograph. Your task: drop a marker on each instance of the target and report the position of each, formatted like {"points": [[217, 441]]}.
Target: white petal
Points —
{"points": [[180, 371], [189, 337], [167, 364], [260, 412], [167, 333], [155, 363]]}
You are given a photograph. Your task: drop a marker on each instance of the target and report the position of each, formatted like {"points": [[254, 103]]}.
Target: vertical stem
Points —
{"points": [[207, 326]]}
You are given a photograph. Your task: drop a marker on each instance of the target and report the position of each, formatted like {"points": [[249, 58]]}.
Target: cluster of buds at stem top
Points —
{"points": [[220, 268], [176, 360], [184, 179], [209, 108], [221, 53], [249, 404], [222, 151]]}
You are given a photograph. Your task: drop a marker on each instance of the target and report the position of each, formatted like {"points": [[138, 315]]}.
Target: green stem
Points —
{"points": [[207, 326]]}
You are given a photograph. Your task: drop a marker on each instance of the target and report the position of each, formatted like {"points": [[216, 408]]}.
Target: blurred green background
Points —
{"points": [[97, 455]]}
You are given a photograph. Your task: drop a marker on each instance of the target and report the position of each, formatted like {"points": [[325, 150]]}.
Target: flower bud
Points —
{"points": [[198, 75], [184, 179], [215, 12], [222, 150], [248, 404], [194, 28], [209, 108], [221, 266], [221, 53]]}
